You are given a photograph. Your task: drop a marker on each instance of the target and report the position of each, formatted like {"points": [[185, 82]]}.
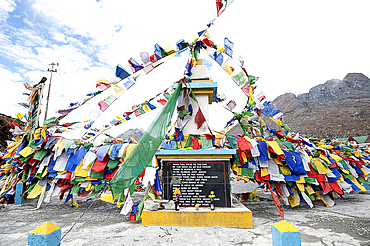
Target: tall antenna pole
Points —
{"points": [[52, 70]]}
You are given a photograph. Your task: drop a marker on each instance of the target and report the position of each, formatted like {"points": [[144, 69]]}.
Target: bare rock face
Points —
{"points": [[5, 134], [337, 108], [131, 133]]}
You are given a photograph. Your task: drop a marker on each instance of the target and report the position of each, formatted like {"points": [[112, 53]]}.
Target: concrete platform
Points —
{"points": [[238, 216]]}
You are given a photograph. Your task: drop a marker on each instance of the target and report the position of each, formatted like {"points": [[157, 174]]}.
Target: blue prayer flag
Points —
{"points": [[228, 47], [121, 72]]}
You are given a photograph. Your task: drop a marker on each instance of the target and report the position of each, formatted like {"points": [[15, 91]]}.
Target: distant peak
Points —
{"points": [[353, 77]]}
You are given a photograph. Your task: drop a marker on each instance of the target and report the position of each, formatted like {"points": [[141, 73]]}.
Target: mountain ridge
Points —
{"points": [[336, 108]]}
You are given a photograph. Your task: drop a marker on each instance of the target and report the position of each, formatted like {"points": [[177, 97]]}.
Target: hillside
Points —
{"points": [[337, 108], [5, 134]]}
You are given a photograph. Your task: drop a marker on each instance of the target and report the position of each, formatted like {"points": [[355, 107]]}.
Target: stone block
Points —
{"points": [[47, 234], [151, 205], [18, 192], [170, 205], [285, 234]]}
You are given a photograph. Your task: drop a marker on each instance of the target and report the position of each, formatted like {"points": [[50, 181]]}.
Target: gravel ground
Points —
{"points": [[347, 223]]}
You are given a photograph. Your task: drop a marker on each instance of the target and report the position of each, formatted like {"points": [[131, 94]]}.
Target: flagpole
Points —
{"points": [[51, 76]]}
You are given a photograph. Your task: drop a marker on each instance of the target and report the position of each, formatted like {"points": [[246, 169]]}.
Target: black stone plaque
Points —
{"points": [[196, 179]]}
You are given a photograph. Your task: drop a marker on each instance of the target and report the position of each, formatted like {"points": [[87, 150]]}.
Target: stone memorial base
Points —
{"points": [[237, 216]]}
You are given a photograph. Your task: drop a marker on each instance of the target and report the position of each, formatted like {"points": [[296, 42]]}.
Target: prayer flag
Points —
{"points": [[245, 90], [218, 57], [221, 5], [228, 47], [152, 194], [231, 105], [145, 58], [228, 69], [240, 78], [162, 101], [128, 84], [199, 118], [159, 51], [157, 185], [143, 152], [121, 72], [134, 65]]}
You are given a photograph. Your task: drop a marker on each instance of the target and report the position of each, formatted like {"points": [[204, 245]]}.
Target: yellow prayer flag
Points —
{"points": [[354, 180], [61, 144], [228, 69], [335, 157], [277, 121], [108, 198], [74, 203], [325, 159], [301, 180], [264, 172], [275, 146], [324, 146], [320, 167], [26, 151], [321, 198], [146, 108], [309, 189], [119, 90], [79, 172], [119, 204], [251, 97], [261, 121], [293, 200], [36, 191], [300, 187], [220, 48]]}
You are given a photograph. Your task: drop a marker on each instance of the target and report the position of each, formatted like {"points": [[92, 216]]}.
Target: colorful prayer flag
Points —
{"points": [[121, 72], [134, 65], [231, 105]]}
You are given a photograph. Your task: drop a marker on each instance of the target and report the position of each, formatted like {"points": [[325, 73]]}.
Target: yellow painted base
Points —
{"points": [[237, 217]]}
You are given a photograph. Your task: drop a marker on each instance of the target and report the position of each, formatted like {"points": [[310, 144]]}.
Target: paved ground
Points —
{"points": [[347, 223]]}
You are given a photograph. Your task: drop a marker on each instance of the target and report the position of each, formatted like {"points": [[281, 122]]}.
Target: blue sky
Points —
{"points": [[290, 45]]}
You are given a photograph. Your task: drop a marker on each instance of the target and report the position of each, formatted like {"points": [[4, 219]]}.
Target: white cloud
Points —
{"points": [[6, 6]]}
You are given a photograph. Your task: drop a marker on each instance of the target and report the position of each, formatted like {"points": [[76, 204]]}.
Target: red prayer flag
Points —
{"points": [[276, 201], [199, 118], [162, 101], [195, 143], [103, 105]]}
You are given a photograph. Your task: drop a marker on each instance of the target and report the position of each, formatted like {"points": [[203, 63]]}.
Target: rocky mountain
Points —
{"points": [[131, 133], [5, 134], [337, 108]]}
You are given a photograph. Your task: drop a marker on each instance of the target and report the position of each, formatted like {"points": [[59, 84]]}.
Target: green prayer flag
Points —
{"points": [[112, 164], [142, 154], [75, 189], [252, 79], [96, 175], [206, 143], [39, 155], [110, 99], [240, 78]]}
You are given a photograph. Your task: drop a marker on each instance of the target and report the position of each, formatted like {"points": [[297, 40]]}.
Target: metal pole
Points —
{"points": [[47, 99]]}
